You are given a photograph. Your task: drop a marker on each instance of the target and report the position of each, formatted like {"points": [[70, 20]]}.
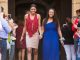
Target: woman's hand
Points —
{"points": [[62, 43], [21, 39], [62, 40], [40, 36]]}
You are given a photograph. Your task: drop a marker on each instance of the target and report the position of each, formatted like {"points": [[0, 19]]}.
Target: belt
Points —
{"points": [[3, 38]]}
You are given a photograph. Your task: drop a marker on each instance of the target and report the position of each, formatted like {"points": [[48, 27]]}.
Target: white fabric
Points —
{"points": [[70, 52], [8, 44], [32, 42], [0, 55], [1, 14], [0, 26]]}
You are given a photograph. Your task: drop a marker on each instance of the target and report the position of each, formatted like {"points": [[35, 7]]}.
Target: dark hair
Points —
{"points": [[33, 5], [68, 19], [78, 24], [78, 11], [9, 16], [4, 15], [55, 18]]}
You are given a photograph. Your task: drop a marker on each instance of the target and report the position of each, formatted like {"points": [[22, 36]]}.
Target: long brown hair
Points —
{"points": [[55, 18]]}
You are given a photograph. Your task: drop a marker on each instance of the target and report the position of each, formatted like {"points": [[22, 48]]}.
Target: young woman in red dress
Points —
{"points": [[32, 28], [20, 45]]}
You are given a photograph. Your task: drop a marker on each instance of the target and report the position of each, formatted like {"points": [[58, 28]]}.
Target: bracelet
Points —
{"points": [[62, 39]]}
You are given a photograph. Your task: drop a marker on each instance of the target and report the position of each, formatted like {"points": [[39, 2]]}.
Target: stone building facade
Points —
{"points": [[4, 4], [13, 7], [75, 6]]}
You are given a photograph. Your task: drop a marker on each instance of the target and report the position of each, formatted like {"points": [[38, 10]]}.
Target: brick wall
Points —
{"points": [[4, 4], [75, 6]]}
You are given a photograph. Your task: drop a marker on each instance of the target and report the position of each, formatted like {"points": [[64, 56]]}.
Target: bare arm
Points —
{"points": [[40, 27], [43, 26], [59, 32], [39, 17], [11, 24], [60, 35]]}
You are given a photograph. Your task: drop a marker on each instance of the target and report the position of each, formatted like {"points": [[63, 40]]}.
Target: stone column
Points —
{"points": [[75, 6]]}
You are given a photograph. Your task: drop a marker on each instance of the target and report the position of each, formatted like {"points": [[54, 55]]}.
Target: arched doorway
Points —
{"points": [[63, 7], [22, 8]]}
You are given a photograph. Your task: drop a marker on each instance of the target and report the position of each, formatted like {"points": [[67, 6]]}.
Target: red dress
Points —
{"points": [[32, 34], [18, 36]]}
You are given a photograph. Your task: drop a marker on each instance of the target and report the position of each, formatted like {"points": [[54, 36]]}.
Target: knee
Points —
{"points": [[29, 51], [35, 52]]}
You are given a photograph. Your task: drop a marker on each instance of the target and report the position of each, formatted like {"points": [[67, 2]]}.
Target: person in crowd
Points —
{"points": [[11, 36], [74, 26], [12, 40], [75, 22], [0, 30], [32, 27], [69, 41], [20, 45], [77, 42], [51, 32], [3, 37]]}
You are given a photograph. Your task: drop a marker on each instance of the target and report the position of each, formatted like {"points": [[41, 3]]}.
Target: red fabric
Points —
{"points": [[31, 25], [75, 22], [19, 31]]}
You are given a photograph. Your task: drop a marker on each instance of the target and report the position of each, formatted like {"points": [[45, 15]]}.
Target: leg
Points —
{"points": [[73, 54], [76, 47], [35, 54], [29, 52], [0, 55], [12, 52], [4, 49], [19, 55], [0, 50], [23, 54], [78, 53], [68, 53]]}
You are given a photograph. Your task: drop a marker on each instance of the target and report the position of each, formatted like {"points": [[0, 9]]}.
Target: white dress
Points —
{"points": [[32, 42]]}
